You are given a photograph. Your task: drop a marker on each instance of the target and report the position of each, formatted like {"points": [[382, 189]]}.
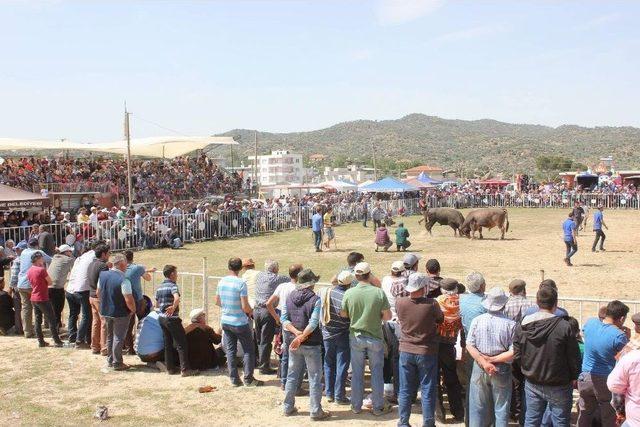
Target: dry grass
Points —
{"points": [[63, 386]]}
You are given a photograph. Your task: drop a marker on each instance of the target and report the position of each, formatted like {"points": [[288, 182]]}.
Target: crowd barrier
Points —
{"points": [[198, 290], [170, 231]]}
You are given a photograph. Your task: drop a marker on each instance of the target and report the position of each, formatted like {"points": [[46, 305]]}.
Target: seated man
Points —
{"points": [[7, 314], [149, 344], [200, 342]]}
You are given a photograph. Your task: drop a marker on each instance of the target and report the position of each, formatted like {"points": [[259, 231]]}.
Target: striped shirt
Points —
{"points": [[516, 306], [491, 333], [15, 270], [337, 324], [164, 296], [266, 284], [230, 290]]}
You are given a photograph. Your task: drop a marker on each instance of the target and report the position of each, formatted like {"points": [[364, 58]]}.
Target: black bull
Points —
{"points": [[442, 216]]}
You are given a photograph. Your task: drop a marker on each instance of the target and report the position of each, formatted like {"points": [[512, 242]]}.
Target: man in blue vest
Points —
{"points": [[116, 306], [598, 223], [301, 316], [316, 226]]}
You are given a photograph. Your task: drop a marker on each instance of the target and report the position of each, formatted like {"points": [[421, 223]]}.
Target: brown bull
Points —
{"points": [[488, 218]]}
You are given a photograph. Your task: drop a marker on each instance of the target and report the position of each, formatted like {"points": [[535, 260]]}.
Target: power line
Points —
{"points": [[159, 125]]}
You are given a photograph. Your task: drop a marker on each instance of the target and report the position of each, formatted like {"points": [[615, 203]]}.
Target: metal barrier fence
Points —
{"points": [[198, 290], [170, 231]]}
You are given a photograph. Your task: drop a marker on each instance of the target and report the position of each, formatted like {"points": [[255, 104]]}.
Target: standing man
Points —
{"points": [[366, 306], [168, 303], [301, 317], [265, 325], [116, 307], [233, 300], [13, 286], [58, 270], [598, 223], [571, 238], [365, 212], [40, 280], [327, 221], [98, 327], [316, 226], [24, 286], [490, 343], [578, 215], [335, 333], [77, 295], [419, 318], [548, 355], [602, 342], [46, 242], [134, 274], [625, 380], [377, 215]]}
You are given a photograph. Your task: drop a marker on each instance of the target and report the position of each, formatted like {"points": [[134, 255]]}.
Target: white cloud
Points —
{"points": [[472, 33], [361, 55], [598, 22], [394, 12]]}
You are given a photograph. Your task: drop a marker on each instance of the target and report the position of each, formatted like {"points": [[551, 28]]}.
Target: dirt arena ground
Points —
{"points": [[64, 386]]}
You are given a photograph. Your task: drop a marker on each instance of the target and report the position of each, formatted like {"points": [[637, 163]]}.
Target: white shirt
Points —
{"points": [[282, 292], [93, 219], [386, 283], [78, 277]]}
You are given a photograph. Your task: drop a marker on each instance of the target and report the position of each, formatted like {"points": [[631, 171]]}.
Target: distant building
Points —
{"points": [[280, 167], [351, 173], [316, 158], [605, 165], [433, 171]]}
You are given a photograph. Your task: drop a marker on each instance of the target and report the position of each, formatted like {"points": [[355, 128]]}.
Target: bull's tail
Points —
{"points": [[506, 218]]}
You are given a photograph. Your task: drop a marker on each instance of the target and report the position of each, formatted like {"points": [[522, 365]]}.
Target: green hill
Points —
{"points": [[477, 144]]}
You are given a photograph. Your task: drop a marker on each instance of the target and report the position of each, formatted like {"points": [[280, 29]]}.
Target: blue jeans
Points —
{"points": [[489, 393], [287, 337], [78, 303], [422, 370], [311, 355], [362, 346], [572, 248], [317, 239], [243, 334], [337, 354], [558, 398], [394, 353]]}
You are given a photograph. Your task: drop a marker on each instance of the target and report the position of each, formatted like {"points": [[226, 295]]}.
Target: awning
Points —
{"points": [[340, 185], [424, 178], [387, 185], [17, 199], [162, 147]]}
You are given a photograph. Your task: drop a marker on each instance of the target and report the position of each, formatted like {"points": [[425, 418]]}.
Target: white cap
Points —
{"points": [[195, 313], [397, 266], [65, 248], [345, 277], [416, 282], [362, 268]]}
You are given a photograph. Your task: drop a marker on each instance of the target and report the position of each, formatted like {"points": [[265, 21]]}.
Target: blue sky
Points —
{"points": [[202, 67]]}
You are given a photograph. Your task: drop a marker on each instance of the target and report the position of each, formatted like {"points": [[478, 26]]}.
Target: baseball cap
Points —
{"points": [[448, 284], [65, 248], [21, 245], [517, 286], [248, 262], [397, 266], [416, 282], [410, 260], [123, 208], [362, 268], [345, 277]]}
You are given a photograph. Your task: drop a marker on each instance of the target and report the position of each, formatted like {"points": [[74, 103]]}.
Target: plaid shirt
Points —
{"points": [[15, 270], [164, 296], [266, 284], [491, 333], [516, 306]]}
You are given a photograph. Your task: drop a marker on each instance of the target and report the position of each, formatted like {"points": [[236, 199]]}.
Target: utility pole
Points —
{"points": [[255, 163], [375, 169], [127, 135]]}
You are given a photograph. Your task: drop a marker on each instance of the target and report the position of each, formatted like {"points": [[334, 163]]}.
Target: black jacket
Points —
{"points": [[547, 350]]}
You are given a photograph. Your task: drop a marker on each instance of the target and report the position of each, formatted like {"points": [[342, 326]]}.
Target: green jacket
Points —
{"points": [[401, 235]]}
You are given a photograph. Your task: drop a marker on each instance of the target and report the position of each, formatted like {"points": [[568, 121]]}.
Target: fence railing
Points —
{"points": [[171, 231], [198, 290]]}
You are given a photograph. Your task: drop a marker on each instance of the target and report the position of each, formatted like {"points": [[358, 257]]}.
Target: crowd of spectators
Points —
{"points": [[166, 180]]}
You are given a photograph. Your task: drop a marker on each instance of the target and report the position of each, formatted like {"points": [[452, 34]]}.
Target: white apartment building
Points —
{"points": [[280, 167]]}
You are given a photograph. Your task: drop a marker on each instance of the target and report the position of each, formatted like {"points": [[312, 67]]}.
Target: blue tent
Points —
{"points": [[387, 185], [423, 177]]}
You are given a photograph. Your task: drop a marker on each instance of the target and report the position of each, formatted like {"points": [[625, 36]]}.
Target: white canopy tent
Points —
{"points": [[340, 185], [162, 147]]}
